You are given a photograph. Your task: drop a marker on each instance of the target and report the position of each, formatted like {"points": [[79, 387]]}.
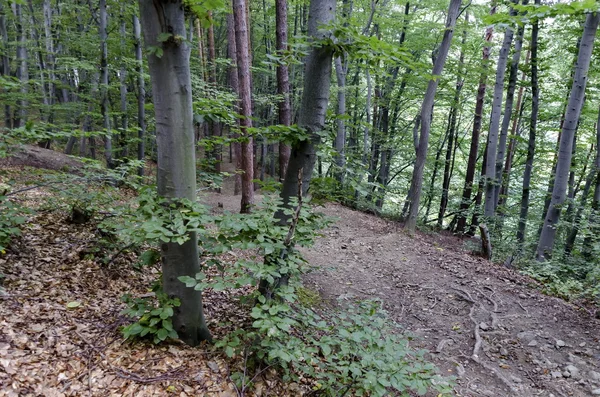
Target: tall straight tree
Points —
{"points": [[233, 81], [535, 106], [492, 152], [245, 91], [176, 173], [104, 100], [141, 93], [22, 69], [477, 121], [426, 113], [315, 98], [283, 81], [576, 97]]}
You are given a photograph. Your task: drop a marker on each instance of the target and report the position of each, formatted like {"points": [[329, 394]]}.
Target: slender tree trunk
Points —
{"points": [[243, 65], [535, 105], [176, 178], [235, 86], [426, 113], [508, 110], [340, 137], [124, 152], [490, 172], [453, 131], [104, 83], [141, 94], [20, 115], [4, 51], [477, 121], [546, 243], [283, 81]]}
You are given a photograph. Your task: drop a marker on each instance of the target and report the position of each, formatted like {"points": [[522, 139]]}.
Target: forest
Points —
{"points": [[299, 197]]}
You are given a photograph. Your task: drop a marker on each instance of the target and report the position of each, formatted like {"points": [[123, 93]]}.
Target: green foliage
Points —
{"points": [[11, 217], [354, 350], [153, 316]]}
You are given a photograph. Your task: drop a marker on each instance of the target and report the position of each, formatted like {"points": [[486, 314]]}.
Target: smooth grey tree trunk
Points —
{"points": [[313, 107], [235, 86], [426, 114], [176, 172], [508, 110], [141, 93], [490, 170], [104, 103], [594, 218], [340, 136], [546, 243], [124, 152]]}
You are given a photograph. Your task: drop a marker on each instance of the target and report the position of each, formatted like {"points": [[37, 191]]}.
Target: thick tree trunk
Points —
{"points": [[283, 81], [426, 113], [490, 171], [176, 174], [141, 94], [477, 120], [104, 103], [315, 98], [546, 243], [243, 65], [591, 238], [535, 105]]}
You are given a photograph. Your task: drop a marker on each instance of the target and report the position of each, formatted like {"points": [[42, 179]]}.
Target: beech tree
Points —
{"points": [[576, 97], [163, 24]]}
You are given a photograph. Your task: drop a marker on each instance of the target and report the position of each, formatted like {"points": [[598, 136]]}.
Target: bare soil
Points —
{"points": [[483, 323]]}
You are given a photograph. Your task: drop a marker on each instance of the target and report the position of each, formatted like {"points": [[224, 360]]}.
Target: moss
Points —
{"points": [[308, 297]]}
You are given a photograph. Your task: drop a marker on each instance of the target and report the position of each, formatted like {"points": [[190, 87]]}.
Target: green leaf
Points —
{"points": [[73, 305]]}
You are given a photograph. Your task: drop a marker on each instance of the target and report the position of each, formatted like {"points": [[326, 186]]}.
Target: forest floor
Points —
{"points": [[485, 324]]}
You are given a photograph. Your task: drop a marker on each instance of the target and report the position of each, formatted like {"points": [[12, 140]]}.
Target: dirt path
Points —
{"points": [[480, 321], [527, 344]]}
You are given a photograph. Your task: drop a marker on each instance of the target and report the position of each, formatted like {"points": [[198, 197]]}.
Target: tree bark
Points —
{"points": [[243, 65], [141, 94], [426, 113], [124, 152], [314, 103], [535, 105], [594, 218], [490, 171], [20, 115], [5, 63], [176, 173], [508, 110], [477, 120], [232, 74], [283, 81], [104, 104], [546, 243]]}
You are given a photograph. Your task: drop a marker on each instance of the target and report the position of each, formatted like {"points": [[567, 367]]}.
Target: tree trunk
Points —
{"points": [[141, 94], [104, 84], [4, 51], [243, 65], [508, 109], [20, 115], [124, 152], [283, 81], [546, 243], [232, 74], [340, 137], [576, 221], [426, 113], [477, 120], [490, 171], [535, 105], [453, 131], [176, 174], [314, 103], [591, 238]]}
